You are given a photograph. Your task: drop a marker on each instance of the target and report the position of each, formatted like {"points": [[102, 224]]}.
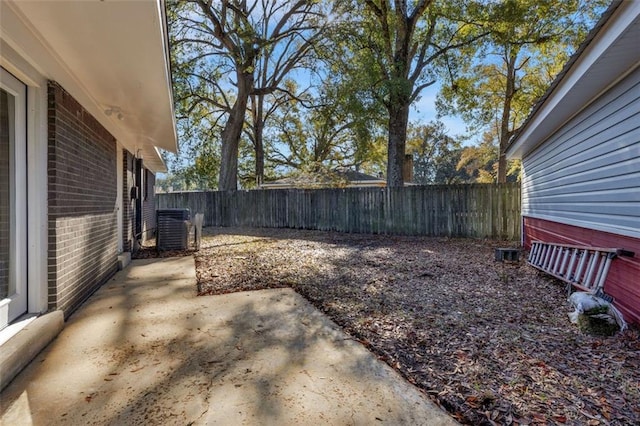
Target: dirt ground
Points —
{"points": [[490, 342]]}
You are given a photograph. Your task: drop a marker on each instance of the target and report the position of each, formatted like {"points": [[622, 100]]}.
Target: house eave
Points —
{"points": [[610, 53], [111, 56], [152, 160]]}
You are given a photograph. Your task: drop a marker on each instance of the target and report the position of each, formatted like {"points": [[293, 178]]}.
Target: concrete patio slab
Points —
{"points": [[146, 350]]}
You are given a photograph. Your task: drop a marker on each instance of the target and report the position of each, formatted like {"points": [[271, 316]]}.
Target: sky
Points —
{"points": [[424, 110]]}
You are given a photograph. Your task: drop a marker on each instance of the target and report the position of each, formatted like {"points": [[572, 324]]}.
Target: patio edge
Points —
{"points": [[21, 349]]}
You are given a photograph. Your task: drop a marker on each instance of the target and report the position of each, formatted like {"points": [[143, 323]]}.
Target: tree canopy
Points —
{"points": [[267, 87], [228, 52], [495, 82]]}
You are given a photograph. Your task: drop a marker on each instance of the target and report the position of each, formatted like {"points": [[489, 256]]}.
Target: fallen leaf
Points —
{"points": [[444, 314], [559, 418]]}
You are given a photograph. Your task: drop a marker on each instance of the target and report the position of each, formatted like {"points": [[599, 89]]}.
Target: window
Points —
{"points": [[13, 161]]}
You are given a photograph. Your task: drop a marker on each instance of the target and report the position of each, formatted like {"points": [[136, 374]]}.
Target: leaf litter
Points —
{"points": [[489, 342]]}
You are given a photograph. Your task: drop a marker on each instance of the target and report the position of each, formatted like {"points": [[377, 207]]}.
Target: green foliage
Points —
{"points": [[440, 159], [494, 84], [198, 162], [435, 155], [313, 176], [337, 131], [233, 57], [391, 52], [480, 162], [595, 325], [364, 68]]}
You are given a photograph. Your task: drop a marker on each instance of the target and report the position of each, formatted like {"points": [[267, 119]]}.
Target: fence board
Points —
{"points": [[473, 211]]}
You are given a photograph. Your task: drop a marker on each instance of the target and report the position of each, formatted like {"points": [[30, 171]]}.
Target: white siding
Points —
{"points": [[588, 173]]}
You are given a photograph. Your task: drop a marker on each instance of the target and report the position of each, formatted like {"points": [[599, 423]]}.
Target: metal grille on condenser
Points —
{"points": [[173, 229]]}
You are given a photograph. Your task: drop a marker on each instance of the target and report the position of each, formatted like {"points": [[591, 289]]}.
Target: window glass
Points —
{"points": [[5, 193]]}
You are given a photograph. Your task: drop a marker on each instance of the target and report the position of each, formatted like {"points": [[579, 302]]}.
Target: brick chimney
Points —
{"points": [[407, 168]]}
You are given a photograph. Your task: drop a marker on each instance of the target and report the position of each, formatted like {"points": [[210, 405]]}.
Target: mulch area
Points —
{"points": [[490, 342]]}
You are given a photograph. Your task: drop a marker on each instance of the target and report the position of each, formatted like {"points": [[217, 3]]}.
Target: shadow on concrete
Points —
{"points": [[145, 350]]}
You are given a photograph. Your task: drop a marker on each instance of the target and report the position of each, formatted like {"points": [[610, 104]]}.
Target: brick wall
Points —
{"points": [[81, 202]]}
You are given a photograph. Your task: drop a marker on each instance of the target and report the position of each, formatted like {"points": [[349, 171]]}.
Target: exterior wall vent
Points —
{"points": [[173, 229]]}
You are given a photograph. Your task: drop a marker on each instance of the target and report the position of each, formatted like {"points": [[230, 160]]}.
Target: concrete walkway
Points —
{"points": [[146, 350]]}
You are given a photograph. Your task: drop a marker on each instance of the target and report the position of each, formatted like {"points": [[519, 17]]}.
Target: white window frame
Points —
{"points": [[16, 303], [36, 165]]}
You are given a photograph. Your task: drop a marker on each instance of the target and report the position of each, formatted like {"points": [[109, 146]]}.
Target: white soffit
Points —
{"points": [[109, 55], [610, 56]]}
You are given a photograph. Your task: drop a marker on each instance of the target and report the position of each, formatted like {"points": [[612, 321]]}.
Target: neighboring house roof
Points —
{"points": [[353, 176], [111, 56], [609, 53], [335, 178]]}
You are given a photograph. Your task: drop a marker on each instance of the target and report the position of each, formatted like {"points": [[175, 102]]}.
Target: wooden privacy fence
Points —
{"points": [[472, 210]]}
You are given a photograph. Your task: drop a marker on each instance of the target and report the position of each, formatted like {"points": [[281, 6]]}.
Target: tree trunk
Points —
{"points": [[258, 140], [259, 148], [398, 120], [505, 132], [231, 134]]}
